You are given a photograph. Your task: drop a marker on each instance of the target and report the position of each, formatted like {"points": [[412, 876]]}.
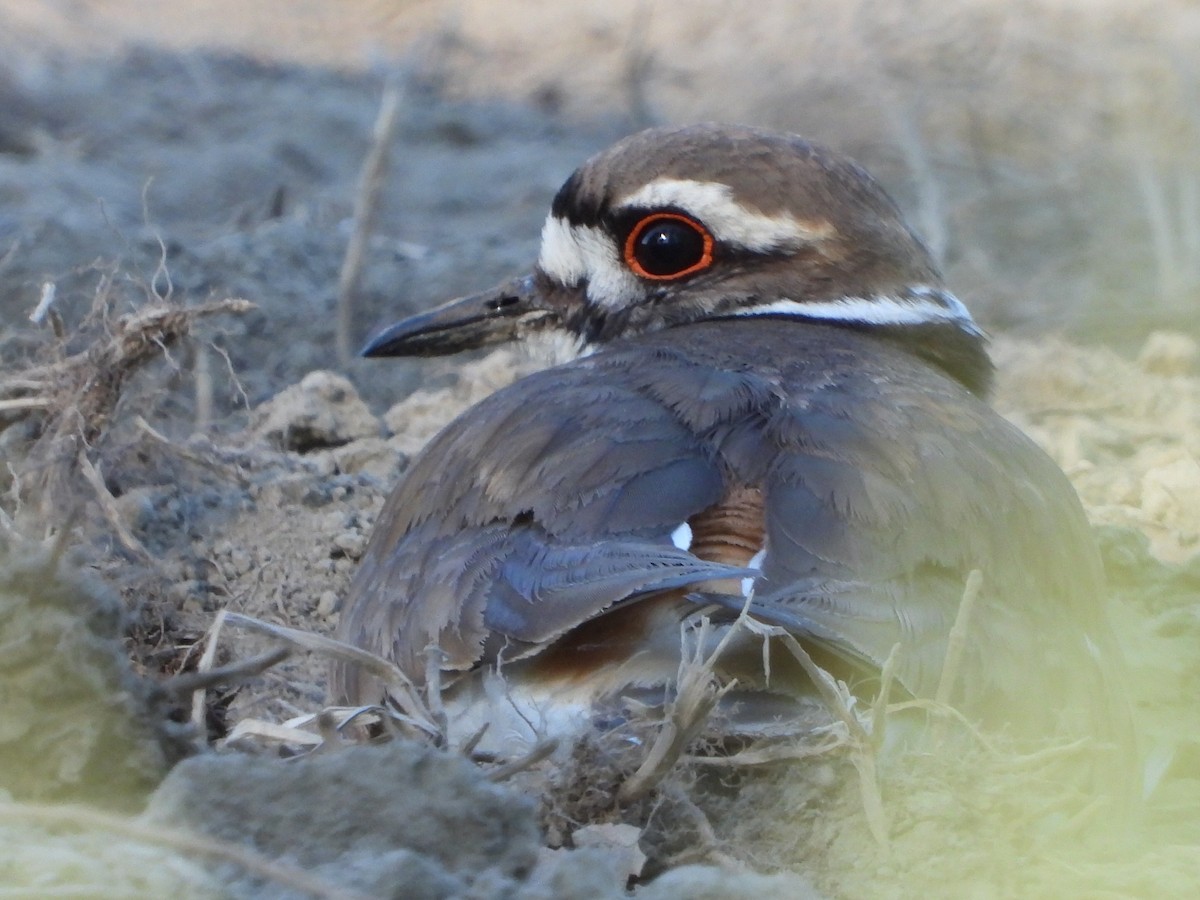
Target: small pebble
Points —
{"points": [[326, 604], [351, 543]]}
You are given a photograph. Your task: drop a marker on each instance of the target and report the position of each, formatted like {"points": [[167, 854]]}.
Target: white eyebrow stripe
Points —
{"points": [[917, 306], [713, 204], [755, 562]]}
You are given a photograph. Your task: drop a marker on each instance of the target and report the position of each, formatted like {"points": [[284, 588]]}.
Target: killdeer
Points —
{"points": [[776, 405]]}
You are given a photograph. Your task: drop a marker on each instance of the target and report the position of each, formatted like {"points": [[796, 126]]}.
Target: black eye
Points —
{"points": [[668, 245]]}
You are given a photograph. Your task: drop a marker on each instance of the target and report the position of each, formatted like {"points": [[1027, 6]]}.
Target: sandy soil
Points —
{"points": [[206, 458]]}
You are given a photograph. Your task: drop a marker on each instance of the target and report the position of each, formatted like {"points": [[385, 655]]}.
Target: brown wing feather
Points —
{"points": [[882, 485]]}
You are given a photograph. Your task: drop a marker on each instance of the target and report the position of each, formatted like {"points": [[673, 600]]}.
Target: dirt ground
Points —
{"points": [[171, 452]]}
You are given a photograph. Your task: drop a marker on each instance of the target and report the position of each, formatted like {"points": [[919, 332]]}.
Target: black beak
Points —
{"points": [[501, 314]]}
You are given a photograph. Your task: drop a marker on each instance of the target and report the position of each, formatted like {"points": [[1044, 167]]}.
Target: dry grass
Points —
{"points": [[654, 772], [413, 717], [66, 402], [697, 692]]}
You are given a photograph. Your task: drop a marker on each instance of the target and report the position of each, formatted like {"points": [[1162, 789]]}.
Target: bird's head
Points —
{"points": [[677, 225]]}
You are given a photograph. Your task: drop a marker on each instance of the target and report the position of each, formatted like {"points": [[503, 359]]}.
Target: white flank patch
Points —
{"points": [[572, 254], [755, 562], [713, 204], [919, 305], [681, 537]]}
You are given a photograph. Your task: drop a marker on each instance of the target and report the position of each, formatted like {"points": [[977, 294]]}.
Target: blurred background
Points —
{"points": [[158, 156], [1047, 150]]}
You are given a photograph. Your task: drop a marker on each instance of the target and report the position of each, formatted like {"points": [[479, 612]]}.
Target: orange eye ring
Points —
{"points": [[659, 249]]}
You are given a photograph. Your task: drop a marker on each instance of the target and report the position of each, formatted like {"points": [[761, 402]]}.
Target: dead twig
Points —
{"points": [[472, 742], [366, 207], [771, 752], [204, 461], [696, 693], [137, 338], [956, 643], [20, 403], [49, 292], [229, 371], [541, 750], [193, 682], [75, 397], [398, 685], [879, 706], [108, 506], [273, 731], [862, 748]]}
